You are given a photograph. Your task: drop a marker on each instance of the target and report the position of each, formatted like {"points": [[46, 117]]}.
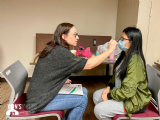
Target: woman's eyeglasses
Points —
{"points": [[75, 35]]}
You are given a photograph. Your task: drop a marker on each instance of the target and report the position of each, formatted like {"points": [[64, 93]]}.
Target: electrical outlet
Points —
{"points": [[94, 42]]}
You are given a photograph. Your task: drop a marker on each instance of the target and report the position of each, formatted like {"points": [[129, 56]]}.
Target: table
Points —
{"points": [[108, 62]]}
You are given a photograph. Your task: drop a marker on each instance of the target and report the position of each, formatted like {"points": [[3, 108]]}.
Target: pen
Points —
{"points": [[73, 90]]}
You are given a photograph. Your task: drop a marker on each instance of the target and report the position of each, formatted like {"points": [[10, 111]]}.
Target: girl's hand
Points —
{"points": [[68, 82], [106, 91], [104, 97]]}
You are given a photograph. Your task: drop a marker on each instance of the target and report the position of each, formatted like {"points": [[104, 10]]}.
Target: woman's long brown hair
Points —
{"points": [[57, 39]]}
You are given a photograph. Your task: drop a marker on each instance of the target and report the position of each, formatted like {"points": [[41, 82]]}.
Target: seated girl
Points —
{"points": [[127, 92]]}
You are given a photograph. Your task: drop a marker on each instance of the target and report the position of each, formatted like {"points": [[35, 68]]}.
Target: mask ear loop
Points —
{"points": [[118, 40]]}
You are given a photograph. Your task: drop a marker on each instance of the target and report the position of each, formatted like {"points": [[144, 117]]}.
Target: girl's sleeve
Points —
{"points": [[111, 82]]}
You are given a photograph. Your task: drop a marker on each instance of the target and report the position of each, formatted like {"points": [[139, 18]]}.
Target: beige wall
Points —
{"points": [[0, 37], [127, 15], [21, 20], [143, 21], [153, 46], [149, 26]]}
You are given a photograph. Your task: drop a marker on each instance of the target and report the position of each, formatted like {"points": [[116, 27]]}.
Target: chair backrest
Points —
{"points": [[16, 76], [154, 84]]}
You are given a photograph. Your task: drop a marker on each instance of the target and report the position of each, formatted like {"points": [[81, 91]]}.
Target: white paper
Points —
{"points": [[75, 89]]}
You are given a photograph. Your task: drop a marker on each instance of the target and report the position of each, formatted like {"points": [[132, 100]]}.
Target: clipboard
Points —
{"points": [[72, 89]]}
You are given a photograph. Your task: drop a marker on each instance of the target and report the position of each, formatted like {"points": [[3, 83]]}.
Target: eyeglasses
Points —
{"points": [[75, 35], [122, 39]]}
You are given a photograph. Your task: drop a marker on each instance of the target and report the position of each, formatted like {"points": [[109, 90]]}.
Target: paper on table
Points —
{"points": [[75, 89]]}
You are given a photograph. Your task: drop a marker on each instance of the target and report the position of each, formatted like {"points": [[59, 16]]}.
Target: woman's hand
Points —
{"points": [[68, 82], [95, 61], [112, 45]]}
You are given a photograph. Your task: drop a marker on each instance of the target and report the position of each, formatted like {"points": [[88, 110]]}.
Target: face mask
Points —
{"points": [[121, 45]]}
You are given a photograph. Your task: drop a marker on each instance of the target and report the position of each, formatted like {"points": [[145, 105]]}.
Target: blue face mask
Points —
{"points": [[121, 45]]}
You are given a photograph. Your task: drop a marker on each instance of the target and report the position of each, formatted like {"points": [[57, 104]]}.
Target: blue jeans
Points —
{"points": [[74, 104]]}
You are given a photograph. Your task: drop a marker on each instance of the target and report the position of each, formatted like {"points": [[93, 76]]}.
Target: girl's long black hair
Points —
{"points": [[135, 37]]}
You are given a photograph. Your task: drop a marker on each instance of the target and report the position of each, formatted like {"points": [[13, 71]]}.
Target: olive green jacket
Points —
{"points": [[134, 91]]}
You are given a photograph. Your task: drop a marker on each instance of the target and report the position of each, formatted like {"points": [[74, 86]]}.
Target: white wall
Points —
{"points": [[127, 15], [0, 36], [143, 21], [153, 45], [149, 26], [22, 19]]}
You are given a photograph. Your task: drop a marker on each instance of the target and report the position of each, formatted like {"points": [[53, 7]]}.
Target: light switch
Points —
{"points": [[94, 42]]}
